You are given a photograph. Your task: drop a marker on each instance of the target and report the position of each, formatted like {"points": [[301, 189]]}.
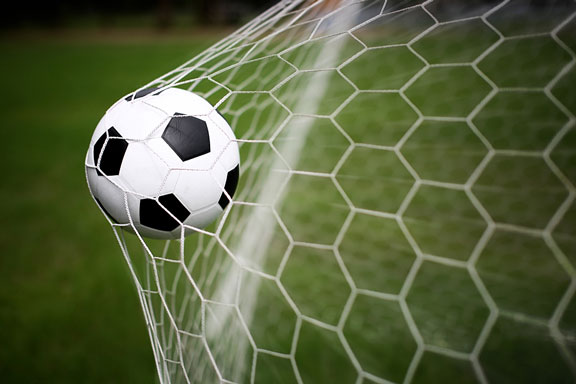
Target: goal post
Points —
{"points": [[406, 205]]}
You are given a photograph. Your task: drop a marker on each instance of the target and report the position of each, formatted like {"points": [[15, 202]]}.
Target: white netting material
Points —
{"points": [[405, 197]]}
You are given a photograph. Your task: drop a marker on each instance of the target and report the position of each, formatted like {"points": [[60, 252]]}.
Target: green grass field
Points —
{"points": [[68, 310], [396, 231]]}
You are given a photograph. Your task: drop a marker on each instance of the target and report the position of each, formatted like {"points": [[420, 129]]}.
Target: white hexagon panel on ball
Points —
{"points": [[161, 160]]}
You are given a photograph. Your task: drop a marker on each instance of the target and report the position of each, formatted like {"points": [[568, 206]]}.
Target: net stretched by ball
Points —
{"points": [[405, 208]]}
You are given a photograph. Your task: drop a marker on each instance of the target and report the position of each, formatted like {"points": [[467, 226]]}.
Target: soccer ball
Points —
{"points": [[162, 160]]}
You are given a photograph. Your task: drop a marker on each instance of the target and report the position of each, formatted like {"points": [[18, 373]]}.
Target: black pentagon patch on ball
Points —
{"points": [[112, 154], [153, 213], [140, 93], [230, 186], [187, 136]]}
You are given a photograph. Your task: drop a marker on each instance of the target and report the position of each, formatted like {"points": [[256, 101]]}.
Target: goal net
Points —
{"points": [[405, 211]]}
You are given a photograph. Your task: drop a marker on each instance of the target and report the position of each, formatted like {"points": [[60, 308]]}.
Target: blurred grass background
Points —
{"points": [[68, 309]]}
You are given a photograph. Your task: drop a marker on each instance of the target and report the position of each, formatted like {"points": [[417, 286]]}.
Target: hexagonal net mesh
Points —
{"points": [[405, 211]]}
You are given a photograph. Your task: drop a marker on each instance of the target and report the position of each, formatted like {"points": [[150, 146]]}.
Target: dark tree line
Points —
{"points": [[54, 13]]}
